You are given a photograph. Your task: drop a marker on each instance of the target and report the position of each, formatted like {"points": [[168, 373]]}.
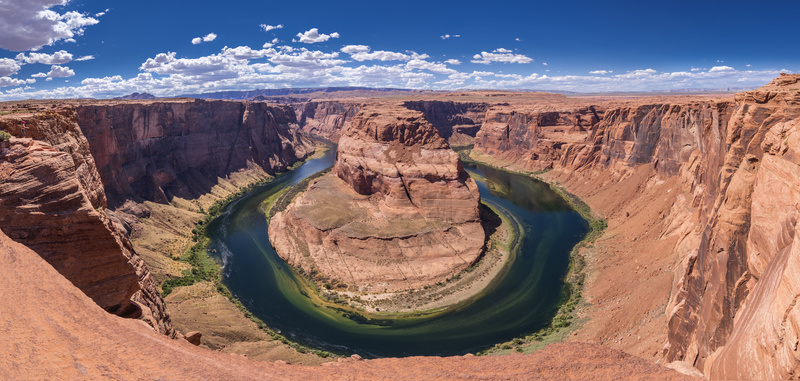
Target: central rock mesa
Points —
{"points": [[398, 212]]}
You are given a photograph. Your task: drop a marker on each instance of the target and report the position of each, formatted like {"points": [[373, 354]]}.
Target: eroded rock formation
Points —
{"points": [[327, 118], [399, 211], [728, 227], [52, 200], [534, 139], [457, 122], [158, 150]]}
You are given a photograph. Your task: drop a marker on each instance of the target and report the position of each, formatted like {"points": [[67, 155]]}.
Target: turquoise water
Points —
{"points": [[521, 302]]}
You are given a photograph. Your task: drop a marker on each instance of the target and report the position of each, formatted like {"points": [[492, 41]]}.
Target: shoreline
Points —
{"points": [[567, 318], [468, 284], [192, 280], [456, 290]]}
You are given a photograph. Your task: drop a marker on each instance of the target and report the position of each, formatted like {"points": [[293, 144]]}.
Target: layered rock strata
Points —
{"points": [[727, 169], [159, 150], [398, 212], [457, 122], [327, 118], [534, 139], [52, 200]]}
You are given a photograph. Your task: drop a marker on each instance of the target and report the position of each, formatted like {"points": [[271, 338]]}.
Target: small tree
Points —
{"points": [[4, 136]]}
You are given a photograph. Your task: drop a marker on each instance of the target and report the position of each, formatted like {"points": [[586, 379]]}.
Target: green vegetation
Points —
{"points": [[286, 197], [203, 266], [206, 268], [565, 319], [4, 136]]}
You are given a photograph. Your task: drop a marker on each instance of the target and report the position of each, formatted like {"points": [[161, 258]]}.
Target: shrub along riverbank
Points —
{"points": [[566, 319]]}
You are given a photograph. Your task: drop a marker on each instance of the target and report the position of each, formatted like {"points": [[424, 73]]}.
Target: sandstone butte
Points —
{"points": [[698, 267], [398, 212]]}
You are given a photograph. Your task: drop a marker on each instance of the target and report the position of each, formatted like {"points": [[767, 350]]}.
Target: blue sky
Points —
{"points": [[91, 48]]}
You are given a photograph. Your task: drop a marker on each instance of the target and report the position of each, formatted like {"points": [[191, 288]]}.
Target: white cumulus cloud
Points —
{"points": [[207, 38], [267, 28], [8, 67], [721, 68], [31, 24], [313, 36], [60, 72], [453, 61], [601, 72], [362, 53], [350, 49], [85, 58], [244, 52], [500, 55], [8, 81], [59, 57], [39, 75]]}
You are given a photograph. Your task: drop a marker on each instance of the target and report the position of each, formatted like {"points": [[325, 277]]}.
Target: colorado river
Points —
{"points": [[521, 302]]}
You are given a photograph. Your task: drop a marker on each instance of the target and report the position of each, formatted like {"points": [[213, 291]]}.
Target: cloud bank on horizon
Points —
{"points": [[37, 36]]}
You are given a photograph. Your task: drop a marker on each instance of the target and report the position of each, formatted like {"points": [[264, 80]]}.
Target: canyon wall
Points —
{"points": [[52, 201], [457, 122], [74, 162], [155, 151], [534, 139], [729, 230], [327, 118]]}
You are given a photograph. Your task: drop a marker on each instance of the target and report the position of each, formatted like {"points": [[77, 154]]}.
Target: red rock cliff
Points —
{"points": [[159, 150], [327, 118], [533, 139], [457, 122], [731, 227], [52, 200]]}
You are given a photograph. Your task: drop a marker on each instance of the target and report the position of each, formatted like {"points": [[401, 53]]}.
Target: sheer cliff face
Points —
{"points": [[734, 313], [399, 212], [732, 310], [327, 119], [52, 200], [457, 122], [533, 139], [52, 195], [159, 150]]}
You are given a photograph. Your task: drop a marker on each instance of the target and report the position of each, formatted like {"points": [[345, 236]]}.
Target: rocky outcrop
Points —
{"points": [[534, 139], [327, 118], [52, 200], [155, 151], [734, 309], [399, 212], [732, 225], [457, 122]]}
